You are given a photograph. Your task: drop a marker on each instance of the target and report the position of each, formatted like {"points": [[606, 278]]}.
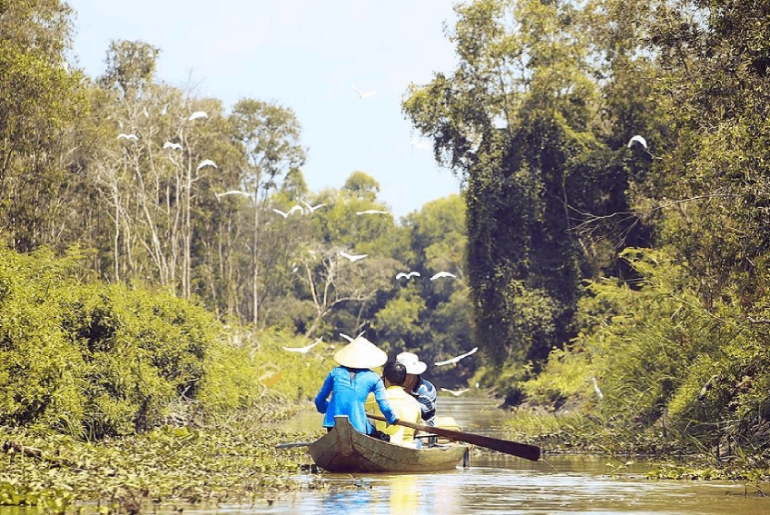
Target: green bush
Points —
{"points": [[96, 360]]}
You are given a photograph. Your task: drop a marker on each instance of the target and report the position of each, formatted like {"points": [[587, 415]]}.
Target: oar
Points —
{"points": [[290, 445], [522, 450]]}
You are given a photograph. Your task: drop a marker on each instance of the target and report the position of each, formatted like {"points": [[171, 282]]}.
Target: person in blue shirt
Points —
{"points": [[419, 388], [350, 383]]}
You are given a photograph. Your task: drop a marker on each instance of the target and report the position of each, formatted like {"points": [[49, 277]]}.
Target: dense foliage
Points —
{"points": [[105, 360], [613, 226], [616, 163]]}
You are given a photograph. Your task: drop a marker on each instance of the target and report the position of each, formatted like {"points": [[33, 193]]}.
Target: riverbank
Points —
{"points": [[170, 465], [675, 456]]}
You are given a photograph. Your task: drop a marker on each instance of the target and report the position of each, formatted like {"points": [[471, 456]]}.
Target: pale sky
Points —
{"points": [[306, 55]]}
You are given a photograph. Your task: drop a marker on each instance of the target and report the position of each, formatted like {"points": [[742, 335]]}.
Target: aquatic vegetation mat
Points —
{"points": [[168, 465]]}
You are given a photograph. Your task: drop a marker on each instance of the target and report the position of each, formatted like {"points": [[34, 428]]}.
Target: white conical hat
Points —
{"points": [[360, 353]]}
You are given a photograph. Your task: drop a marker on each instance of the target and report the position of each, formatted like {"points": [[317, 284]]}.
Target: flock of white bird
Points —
{"points": [[169, 145], [308, 209]]}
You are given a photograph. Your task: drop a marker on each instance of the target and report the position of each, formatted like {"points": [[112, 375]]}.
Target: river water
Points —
{"points": [[497, 484]]}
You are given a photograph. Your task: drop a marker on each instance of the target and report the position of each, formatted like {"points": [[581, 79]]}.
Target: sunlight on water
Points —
{"points": [[486, 490]]}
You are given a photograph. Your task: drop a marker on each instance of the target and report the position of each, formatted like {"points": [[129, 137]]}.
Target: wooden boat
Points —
{"points": [[343, 449]]}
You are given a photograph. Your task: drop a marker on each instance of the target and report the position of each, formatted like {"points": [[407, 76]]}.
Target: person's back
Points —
{"points": [[404, 406], [345, 389], [351, 388]]}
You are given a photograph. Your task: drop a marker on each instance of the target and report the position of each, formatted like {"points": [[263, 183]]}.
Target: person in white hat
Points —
{"points": [[350, 383], [421, 389]]}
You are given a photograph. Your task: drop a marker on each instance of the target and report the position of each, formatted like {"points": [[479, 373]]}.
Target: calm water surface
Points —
{"points": [[496, 484]]}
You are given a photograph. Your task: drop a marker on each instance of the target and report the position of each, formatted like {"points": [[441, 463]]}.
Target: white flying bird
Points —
{"points": [[172, 146], [404, 275], [310, 208], [197, 114], [207, 162], [456, 358], [294, 208], [456, 393], [132, 137], [353, 258], [305, 349], [639, 139], [442, 274], [372, 212], [233, 192], [363, 95], [164, 110]]}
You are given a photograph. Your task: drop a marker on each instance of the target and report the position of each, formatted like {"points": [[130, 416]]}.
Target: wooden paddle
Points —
{"points": [[522, 450]]}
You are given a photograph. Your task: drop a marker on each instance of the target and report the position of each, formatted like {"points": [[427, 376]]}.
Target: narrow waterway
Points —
{"points": [[496, 484]]}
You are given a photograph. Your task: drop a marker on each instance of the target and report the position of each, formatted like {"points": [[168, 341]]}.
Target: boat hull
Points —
{"points": [[343, 449]]}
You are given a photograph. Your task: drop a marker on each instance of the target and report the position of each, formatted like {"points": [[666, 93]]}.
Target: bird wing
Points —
{"points": [[638, 138], [281, 212], [206, 162], [348, 338], [413, 274], [198, 114], [456, 358], [401, 275], [296, 207]]}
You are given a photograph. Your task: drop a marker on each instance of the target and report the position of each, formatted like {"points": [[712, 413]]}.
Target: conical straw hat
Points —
{"points": [[360, 353]]}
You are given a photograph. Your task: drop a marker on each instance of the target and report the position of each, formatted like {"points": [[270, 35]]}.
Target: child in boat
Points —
{"points": [[404, 405], [350, 383]]}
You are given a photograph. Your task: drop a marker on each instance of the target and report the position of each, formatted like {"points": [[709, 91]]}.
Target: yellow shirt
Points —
{"points": [[406, 408]]}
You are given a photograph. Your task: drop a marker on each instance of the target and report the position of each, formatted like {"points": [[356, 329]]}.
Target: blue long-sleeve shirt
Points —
{"points": [[348, 389]]}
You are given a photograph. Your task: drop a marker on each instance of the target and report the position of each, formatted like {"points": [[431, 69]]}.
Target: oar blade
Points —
{"points": [[521, 450]]}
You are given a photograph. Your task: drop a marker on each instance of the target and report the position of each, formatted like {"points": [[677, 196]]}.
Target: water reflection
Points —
{"points": [[403, 495], [482, 490]]}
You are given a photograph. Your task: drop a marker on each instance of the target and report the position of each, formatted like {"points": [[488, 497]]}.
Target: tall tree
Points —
{"points": [[40, 97], [270, 135], [522, 121]]}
